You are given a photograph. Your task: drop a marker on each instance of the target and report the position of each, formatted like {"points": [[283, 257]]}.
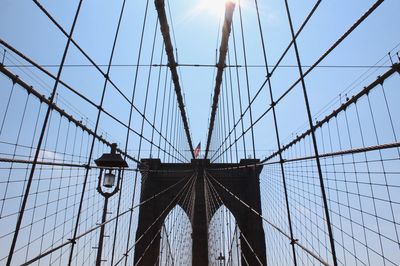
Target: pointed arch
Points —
{"points": [[176, 240], [224, 238]]}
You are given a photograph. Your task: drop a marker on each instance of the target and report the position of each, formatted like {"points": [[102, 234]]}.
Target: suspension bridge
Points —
{"points": [[98, 156]]}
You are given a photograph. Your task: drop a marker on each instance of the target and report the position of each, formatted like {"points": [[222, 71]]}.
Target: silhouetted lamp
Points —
{"points": [[111, 164]]}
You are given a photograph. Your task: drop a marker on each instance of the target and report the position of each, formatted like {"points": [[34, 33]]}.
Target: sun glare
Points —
{"points": [[217, 7], [210, 8], [214, 7]]}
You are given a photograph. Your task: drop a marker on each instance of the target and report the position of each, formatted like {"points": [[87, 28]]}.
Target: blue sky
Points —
{"points": [[196, 30]]}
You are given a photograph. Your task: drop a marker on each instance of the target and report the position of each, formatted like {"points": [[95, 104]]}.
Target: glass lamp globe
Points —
{"points": [[109, 179]]}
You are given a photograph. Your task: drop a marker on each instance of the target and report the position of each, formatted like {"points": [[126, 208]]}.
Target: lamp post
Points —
{"points": [[110, 164], [221, 259]]}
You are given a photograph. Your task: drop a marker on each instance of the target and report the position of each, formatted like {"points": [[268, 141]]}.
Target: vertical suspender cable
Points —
{"points": [[278, 142], [229, 8], [45, 122], [162, 16], [314, 140]]}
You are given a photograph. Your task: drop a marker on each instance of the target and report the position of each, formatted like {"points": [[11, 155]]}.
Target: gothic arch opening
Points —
{"points": [[176, 239], [224, 239], [205, 197]]}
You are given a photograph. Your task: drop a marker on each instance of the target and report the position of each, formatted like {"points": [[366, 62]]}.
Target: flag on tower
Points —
{"points": [[197, 151]]}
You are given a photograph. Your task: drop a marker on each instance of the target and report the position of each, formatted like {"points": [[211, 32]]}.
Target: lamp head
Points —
{"points": [[112, 159]]}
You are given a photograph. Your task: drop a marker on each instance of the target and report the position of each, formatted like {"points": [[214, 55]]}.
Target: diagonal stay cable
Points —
{"points": [[314, 65], [85, 54], [179, 194], [162, 17], [41, 137], [380, 79], [186, 200], [55, 107], [275, 67], [226, 30], [316, 150], [218, 197], [158, 131], [251, 248], [275, 121], [106, 222], [232, 241], [149, 245], [295, 241], [168, 243], [319, 124]]}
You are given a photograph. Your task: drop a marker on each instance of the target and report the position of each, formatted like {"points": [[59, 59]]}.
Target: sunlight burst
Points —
{"points": [[214, 7]]}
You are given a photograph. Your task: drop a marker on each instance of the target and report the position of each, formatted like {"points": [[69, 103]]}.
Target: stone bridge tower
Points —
{"points": [[241, 179]]}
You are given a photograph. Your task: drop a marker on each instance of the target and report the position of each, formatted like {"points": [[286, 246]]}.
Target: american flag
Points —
{"points": [[197, 151]]}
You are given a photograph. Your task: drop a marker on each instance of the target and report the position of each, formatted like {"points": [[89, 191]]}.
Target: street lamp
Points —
{"points": [[221, 259], [110, 164]]}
